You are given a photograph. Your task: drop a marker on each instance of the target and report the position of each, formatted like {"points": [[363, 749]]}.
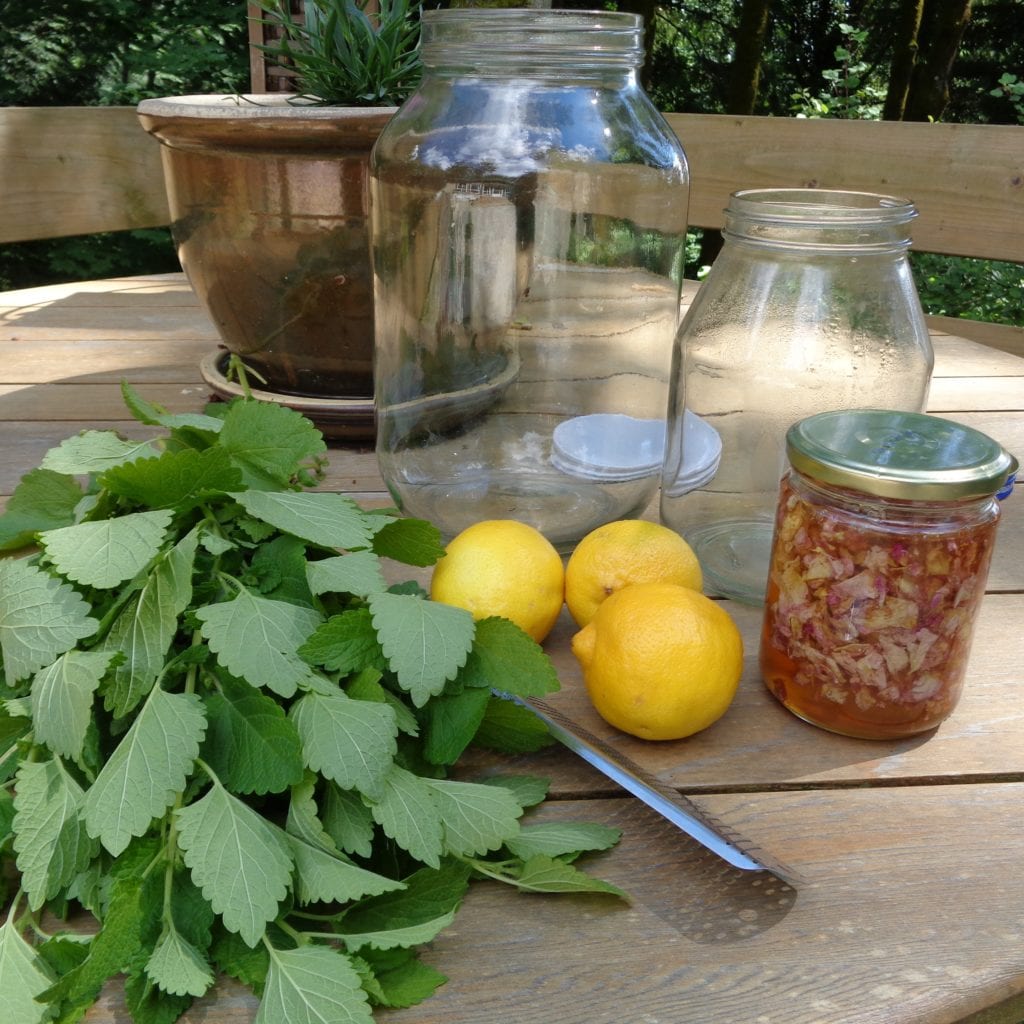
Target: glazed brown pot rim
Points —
{"points": [[260, 122]]}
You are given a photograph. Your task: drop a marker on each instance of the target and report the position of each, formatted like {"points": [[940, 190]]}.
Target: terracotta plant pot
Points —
{"points": [[269, 205]]}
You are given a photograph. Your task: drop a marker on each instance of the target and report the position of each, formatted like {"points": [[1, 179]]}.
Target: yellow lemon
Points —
{"points": [[503, 567], [622, 553], [660, 661]]}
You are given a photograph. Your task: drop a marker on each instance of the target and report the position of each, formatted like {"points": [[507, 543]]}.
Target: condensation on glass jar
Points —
{"points": [[529, 210], [884, 533], [810, 306]]}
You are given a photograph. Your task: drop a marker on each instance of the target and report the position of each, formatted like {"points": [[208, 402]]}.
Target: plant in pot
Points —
{"points": [[268, 200]]}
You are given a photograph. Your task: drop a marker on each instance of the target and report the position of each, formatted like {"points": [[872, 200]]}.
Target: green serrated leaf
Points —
{"points": [[428, 894], [408, 815], [146, 627], [325, 877], [348, 821], [366, 685], [304, 815], [176, 479], [320, 517], [147, 770], [178, 967], [268, 442], [411, 541], [350, 742], [156, 415], [40, 619], [558, 838], [505, 658], [345, 643], [511, 729], [281, 565], [406, 982], [237, 858], [50, 837], [452, 721], [529, 790], [62, 696], [127, 914], [43, 500], [546, 874], [426, 643], [395, 938], [148, 1004], [234, 958], [109, 551], [476, 818], [312, 985], [94, 451], [24, 975], [256, 639], [250, 743], [358, 572]]}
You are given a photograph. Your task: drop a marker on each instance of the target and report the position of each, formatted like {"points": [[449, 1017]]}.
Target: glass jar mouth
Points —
{"points": [[531, 37], [812, 219]]}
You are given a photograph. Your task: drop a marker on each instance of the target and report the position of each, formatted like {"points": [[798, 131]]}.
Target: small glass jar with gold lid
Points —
{"points": [[883, 537]]}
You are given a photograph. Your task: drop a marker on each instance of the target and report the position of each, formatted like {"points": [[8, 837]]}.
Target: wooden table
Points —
{"points": [[911, 903]]}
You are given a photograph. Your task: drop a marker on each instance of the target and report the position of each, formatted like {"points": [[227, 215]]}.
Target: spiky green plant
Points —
{"points": [[343, 55]]}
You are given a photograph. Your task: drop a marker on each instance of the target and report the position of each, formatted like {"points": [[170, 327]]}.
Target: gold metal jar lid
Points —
{"points": [[902, 455]]}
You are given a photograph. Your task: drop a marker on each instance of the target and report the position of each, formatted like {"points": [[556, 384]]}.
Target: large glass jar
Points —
{"points": [[528, 210], [885, 529], [810, 306]]}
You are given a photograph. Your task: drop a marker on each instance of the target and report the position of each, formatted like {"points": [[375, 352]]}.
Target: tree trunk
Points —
{"points": [[746, 66], [904, 58], [929, 85]]}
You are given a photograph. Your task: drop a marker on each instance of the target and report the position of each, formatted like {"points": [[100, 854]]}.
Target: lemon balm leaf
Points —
{"points": [[43, 500], [476, 818], [558, 838], [268, 442], [358, 573], [24, 976], [256, 638], [178, 967], [395, 938], [320, 517], [426, 643], [505, 658], [237, 858], [452, 722], [145, 628], [175, 479], [93, 451], [250, 743], [547, 874], [411, 541], [350, 742], [50, 837], [40, 618], [409, 816], [62, 695], [345, 643], [312, 984], [147, 769], [109, 551], [326, 877]]}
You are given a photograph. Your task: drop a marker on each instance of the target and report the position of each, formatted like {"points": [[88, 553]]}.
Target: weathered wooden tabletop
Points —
{"points": [[910, 906]]}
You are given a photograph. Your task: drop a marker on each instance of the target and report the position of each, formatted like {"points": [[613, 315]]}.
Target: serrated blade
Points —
{"points": [[676, 808]]}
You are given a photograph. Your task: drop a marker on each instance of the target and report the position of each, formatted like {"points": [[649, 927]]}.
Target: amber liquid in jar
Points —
{"points": [[871, 605]]}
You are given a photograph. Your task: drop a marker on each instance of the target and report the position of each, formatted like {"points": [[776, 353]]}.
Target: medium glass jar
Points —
{"points": [[884, 532], [528, 210], [810, 306]]}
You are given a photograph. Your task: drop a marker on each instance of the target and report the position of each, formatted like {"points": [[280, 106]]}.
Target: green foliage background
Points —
{"points": [[821, 58]]}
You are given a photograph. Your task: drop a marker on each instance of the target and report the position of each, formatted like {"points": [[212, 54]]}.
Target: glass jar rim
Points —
{"points": [[904, 455], [531, 36], [820, 206]]}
